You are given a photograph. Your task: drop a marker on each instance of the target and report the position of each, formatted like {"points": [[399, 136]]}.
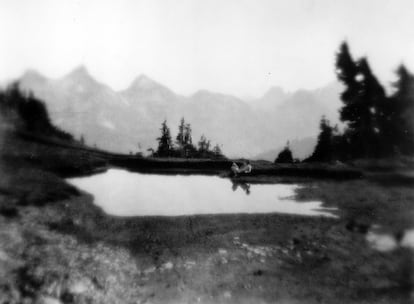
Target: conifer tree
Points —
{"points": [[371, 102], [285, 156], [324, 150], [347, 73], [188, 140], [180, 136], [165, 147], [203, 146], [363, 99], [401, 115]]}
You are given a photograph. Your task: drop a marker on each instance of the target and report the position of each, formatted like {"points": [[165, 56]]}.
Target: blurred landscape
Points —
{"points": [[145, 195]]}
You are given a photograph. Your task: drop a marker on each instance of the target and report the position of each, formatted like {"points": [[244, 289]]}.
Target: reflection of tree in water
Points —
{"points": [[245, 186]]}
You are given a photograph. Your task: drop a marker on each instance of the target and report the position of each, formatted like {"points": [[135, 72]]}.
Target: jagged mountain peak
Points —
{"points": [[80, 70], [32, 75], [273, 97], [116, 120], [143, 82], [80, 74]]}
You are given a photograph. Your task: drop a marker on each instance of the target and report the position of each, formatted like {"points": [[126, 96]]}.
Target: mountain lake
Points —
{"points": [[123, 193]]}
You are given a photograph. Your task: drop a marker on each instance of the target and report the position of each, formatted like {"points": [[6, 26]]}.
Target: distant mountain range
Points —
{"points": [[128, 120]]}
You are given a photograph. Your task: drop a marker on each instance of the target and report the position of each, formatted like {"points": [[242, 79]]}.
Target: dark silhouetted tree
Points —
{"points": [[28, 113], [285, 156], [180, 135], [401, 114], [324, 150], [372, 99], [165, 147], [363, 99], [188, 140], [203, 145], [184, 140], [347, 72]]}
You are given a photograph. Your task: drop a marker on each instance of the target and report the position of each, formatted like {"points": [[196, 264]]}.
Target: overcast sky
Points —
{"points": [[240, 47]]}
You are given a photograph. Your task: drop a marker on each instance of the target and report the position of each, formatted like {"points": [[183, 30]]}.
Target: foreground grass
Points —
{"points": [[55, 245]]}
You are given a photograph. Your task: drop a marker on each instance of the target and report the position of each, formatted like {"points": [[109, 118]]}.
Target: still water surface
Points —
{"points": [[124, 193], [383, 241]]}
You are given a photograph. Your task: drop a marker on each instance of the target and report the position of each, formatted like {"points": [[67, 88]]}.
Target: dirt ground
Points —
{"points": [[56, 246]]}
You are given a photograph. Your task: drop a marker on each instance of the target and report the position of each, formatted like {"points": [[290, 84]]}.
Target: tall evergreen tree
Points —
{"points": [[203, 145], [180, 136], [401, 115], [285, 156], [324, 150], [347, 72], [188, 140], [372, 101], [363, 99], [165, 147]]}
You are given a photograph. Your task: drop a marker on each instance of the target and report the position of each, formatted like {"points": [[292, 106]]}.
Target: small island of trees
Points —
{"points": [[183, 146]]}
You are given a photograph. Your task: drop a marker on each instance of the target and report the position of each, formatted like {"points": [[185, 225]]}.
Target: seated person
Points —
{"points": [[246, 168], [234, 169]]}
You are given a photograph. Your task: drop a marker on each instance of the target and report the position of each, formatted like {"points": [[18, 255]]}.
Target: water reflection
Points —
{"points": [[244, 186], [382, 241], [125, 193]]}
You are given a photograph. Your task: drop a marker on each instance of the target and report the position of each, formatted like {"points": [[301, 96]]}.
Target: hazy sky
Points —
{"points": [[240, 47]]}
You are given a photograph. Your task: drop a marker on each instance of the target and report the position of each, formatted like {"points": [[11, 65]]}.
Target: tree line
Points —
{"points": [[376, 124], [183, 145], [25, 113]]}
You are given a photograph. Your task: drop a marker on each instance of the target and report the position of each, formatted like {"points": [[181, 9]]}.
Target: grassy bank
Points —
{"points": [[72, 159]]}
